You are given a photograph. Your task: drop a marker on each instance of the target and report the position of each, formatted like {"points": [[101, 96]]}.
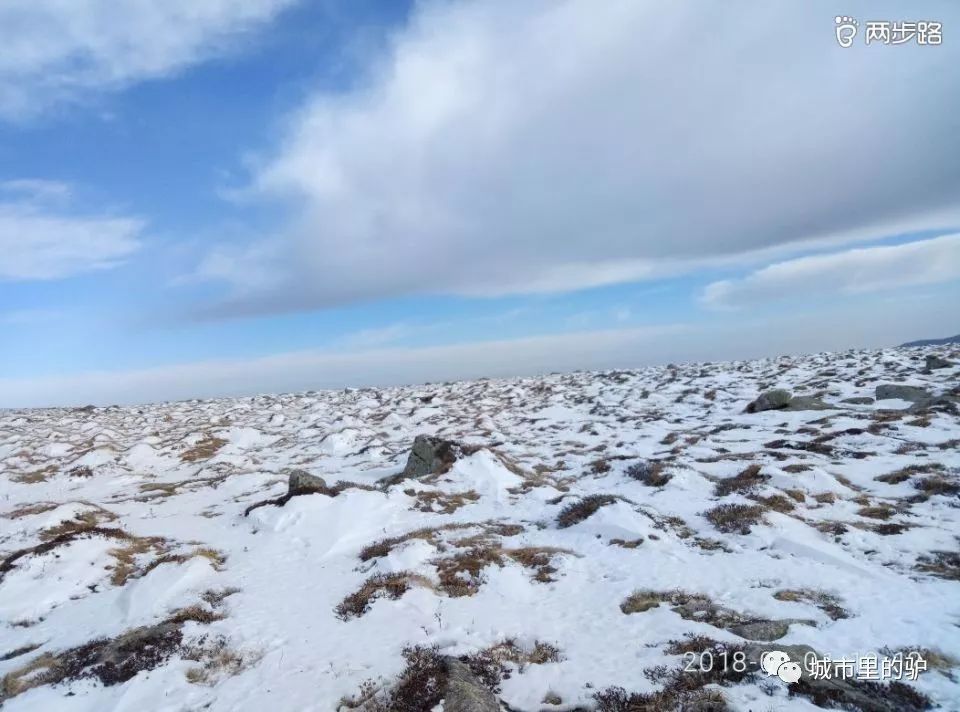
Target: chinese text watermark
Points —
{"points": [[888, 32]]}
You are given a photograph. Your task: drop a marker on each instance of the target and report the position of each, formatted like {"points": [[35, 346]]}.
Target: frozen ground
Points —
{"points": [[130, 578]]}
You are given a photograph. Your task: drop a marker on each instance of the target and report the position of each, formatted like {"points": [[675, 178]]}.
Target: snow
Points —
{"points": [[543, 443]]}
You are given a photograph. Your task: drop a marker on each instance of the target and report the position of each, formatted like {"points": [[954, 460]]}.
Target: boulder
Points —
{"points": [[777, 399], [429, 456], [907, 393], [301, 482], [933, 362], [465, 693], [858, 400], [806, 403], [943, 403]]}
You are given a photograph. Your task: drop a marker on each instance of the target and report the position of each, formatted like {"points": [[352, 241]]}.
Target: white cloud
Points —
{"points": [[56, 50], [505, 147], [36, 244], [870, 269], [37, 189], [833, 328]]}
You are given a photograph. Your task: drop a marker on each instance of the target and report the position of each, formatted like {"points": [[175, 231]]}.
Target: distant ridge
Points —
{"points": [[935, 342]]}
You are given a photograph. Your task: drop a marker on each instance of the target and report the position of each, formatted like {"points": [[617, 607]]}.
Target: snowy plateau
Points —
{"points": [[576, 539]]}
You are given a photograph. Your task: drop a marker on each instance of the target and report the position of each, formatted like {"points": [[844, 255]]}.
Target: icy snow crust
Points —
{"points": [[177, 477]]}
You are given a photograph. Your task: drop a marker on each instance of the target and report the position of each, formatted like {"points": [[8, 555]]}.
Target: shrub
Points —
{"points": [[576, 512], [650, 473], [735, 518]]}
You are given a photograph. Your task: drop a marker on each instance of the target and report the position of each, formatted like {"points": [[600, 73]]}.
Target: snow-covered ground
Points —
{"points": [[112, 519]]}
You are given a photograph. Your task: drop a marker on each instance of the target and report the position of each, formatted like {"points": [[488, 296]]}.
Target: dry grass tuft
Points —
{"points": [[217, 660], [35, 476], [28, 510], [441, 502], [826, 602], [691, 643], [650, 472], [882, 511], [942, 564], [576, 512], [777, 503], [392, 586], [109, 660], [938, 485], [744, 482], [735, 518], [203, 450], [433, 535]]}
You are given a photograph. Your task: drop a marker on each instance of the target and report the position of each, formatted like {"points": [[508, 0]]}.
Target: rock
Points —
{"points": [[430, 455], [807, 403], [777, 399], [301, 482], [858, 400], [907, 393], [933, 362], [761, 630], [943, 403], [465, 693]]}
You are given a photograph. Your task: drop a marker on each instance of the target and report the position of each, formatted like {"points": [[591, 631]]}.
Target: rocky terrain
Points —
{"points": [[554, 543]]}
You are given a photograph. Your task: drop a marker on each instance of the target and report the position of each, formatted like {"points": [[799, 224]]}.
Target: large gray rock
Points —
{"points": [[933, 362], [777, 399], [465, 693], [301, 482], [907, 393], [807, 403], [945, 403], [430, 455]]}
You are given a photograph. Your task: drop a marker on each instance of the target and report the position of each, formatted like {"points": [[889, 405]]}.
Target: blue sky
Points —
{"points": [[215, 200]]}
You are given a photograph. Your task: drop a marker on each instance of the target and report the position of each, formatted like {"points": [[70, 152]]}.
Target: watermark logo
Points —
{"points": [[846, 30], [777, 662], [870, 667], [888, 32]]}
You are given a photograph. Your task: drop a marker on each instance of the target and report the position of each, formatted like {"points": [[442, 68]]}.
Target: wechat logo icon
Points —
{"points": [[776, 662]]}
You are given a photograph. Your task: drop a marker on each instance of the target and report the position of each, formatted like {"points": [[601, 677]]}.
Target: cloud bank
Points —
{"points": [[503, 147], [871, 269]]}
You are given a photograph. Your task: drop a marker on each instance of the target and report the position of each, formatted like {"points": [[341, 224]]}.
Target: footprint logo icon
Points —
{"points": [[771, 661], [789, 672], [846, 30]]}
